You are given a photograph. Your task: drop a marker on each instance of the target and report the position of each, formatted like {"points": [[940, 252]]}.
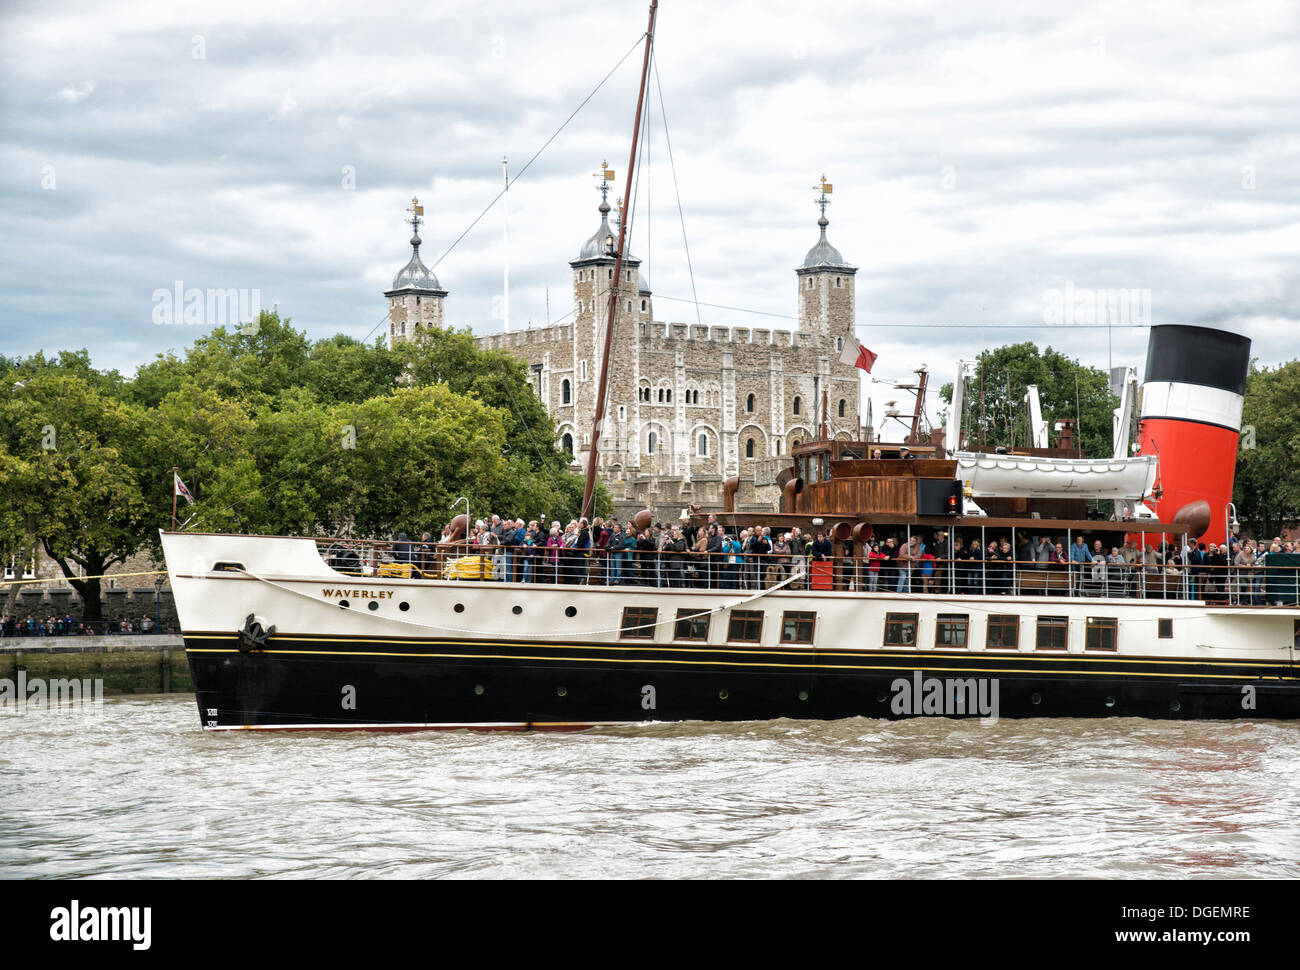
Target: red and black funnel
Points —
{"points": [[1190, 418]]}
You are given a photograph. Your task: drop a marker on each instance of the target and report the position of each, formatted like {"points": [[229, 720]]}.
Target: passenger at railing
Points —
{"points": [[927, 571], [1008, 567], [1248, 572], [674, 554], [821, 548], [697, 560], [1080, 557], [761, 554], [713, 559], [402, 552], [970, 560], [875, 565], [1196, 558], [1217, 561], [424, 557], [907, 557], [731, 562]]}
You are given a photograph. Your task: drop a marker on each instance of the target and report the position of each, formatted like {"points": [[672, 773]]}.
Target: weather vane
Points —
{"points": [[825, 189], [606, 175], [416, 210]]}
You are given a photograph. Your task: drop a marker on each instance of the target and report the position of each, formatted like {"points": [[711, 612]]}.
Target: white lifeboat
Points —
{"points": [[1121, 479]]}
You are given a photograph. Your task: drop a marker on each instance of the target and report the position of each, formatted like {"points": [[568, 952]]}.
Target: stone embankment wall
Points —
{"points": [[128, 664]]}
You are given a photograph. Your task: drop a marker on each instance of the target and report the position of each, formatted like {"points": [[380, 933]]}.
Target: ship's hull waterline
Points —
{"points": [[510, 656]]}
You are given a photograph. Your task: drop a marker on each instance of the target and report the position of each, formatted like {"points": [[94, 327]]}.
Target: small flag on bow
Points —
{"points": [[857, 355]]}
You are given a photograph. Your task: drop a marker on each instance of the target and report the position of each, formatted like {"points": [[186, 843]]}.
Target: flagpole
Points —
{"points": [[175, 471]]}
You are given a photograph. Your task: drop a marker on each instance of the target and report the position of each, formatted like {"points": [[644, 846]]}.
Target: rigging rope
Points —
{"points": [[681, 215]]}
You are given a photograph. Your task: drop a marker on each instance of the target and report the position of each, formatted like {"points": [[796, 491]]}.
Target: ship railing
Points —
{"points": [[1260, 585]]}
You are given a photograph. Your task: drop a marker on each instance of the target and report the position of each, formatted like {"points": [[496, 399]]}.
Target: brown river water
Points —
{"points": [[137, 789]]}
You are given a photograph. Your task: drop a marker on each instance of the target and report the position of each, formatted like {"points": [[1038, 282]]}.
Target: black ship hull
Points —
{"points": [[391, 683]]}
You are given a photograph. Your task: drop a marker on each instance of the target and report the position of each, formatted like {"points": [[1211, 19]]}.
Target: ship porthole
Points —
{"points": [[373, 604], [517, 610], [1110, 702], [459, 608], [803, 695], [1175, 706], [1036, 698], [723, 694], [403, 606], [570, 611], [478, 688], [343, 604], [561, 691]]}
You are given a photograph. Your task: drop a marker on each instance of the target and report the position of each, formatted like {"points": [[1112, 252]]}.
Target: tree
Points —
{"points": [[1008, 371], [1267, 485], [68, 472]]}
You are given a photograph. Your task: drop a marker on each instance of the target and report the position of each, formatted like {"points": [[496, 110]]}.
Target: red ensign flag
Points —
{"points": [[857, 355]]}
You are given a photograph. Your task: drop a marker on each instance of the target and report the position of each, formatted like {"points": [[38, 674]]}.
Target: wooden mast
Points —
{"points": [[589, 489]]}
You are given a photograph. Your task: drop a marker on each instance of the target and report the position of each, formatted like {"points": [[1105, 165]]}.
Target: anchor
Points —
{"points": [[252, 638]]}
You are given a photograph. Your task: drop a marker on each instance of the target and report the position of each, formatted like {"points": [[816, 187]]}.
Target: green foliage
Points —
{"points": [[273, 434], [1008, 371], [1267, 485]]}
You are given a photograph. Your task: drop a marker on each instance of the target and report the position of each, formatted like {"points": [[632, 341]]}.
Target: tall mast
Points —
{"points": [[589, 490]]}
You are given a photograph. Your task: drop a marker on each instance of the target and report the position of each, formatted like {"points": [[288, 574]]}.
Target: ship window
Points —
{"points": [[1004, 632], [638, 623], [950, 630], [1052, 632], [1165, 629], [691, 626], [746, 626], [566, 391], [1102, 633], [900, 629], [797, 627]]}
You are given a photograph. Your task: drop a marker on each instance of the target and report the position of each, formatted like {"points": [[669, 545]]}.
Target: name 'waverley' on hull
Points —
{"points": [[894, 614]]}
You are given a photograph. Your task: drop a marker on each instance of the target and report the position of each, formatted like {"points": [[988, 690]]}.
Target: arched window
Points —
{"points": [[661, 395], [797, 405], [643, 306], [841, 407], [669, 395], [566, 443], [566, 392], [749, 404], [652, 443], [582, 370], [839, 343], [702, 445], [749, 448]]}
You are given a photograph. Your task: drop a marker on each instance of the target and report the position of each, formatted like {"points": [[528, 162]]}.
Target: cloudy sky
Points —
{"points": [[985, 156]]}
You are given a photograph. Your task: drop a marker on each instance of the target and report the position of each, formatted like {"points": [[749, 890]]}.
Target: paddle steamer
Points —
{"points": [[281, 633]]}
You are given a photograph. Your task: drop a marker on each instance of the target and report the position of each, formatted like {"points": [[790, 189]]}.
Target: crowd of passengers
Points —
{"points": [[717, 556]]}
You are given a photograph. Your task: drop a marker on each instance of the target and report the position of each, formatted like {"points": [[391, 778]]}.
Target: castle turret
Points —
{"points": [[825, 282], [416, 299]]}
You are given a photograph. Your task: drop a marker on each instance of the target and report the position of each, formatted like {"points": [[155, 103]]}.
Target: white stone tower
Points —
{"points": [[825, 282], [416, 300]]}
